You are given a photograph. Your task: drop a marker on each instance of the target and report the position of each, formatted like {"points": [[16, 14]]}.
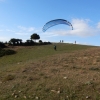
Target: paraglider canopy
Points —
{"points": [[56, 22]]}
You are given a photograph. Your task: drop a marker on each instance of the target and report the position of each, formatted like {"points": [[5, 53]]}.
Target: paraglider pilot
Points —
{"points": [[54, 47]]}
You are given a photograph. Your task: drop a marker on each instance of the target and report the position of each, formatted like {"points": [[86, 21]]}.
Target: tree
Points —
{"points": [[15, 41], [19, 41], [12, 41], [29, 42], [35, 36]]}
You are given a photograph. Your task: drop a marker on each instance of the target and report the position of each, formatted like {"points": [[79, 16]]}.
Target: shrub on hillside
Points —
{"points": [[2, 45], [1, 52], [46, 43], [9, 52], [6, 52]]}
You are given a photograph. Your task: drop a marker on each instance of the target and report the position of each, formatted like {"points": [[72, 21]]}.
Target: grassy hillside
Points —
{"points": [[34, 52], [41, 73]]}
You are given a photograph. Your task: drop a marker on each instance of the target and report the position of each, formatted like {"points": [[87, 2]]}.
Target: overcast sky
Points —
{"points": [[22, 18]]}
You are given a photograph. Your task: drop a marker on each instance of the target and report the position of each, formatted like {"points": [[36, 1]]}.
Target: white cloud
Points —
{"points": [[98, 25], [2, 39], [8, 30], [1, 30], [81, 28], [31, 29], [21, 33], [22, 28], [25, 30], [18, 32], [49, 34], [28, 29]]}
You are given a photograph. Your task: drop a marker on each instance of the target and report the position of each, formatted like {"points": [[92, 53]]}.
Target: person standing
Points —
{"points": [[55, 47], [75, 42]]}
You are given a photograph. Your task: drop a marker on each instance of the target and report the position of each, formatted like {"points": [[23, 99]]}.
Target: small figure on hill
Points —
{"points": [[75, 42], [54, 47]]}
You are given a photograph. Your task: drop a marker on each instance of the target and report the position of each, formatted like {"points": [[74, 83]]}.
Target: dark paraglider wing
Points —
{"points": [[56, 22]]}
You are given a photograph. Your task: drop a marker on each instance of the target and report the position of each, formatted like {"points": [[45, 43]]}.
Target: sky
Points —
{"points": [[21, 18]]}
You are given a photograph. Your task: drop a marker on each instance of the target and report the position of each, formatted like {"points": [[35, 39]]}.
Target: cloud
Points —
{"points": [[21, 33], [9, 30], [3, 38], [25, 30], [28, 29], [1, 30], [50, 34], [98, 25], [81, 28]]}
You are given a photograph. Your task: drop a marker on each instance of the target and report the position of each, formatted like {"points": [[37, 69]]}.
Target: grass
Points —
{"points": [[8, 78], [35, 52], [40, 73]]}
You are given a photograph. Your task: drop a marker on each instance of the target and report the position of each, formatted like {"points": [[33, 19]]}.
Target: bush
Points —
{"points": [[9, 52], [2, 45], [1, 52], [6, 52], [45, 43], [40, 41]]}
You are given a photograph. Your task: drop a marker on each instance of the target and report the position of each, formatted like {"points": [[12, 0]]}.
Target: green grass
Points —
{"points": [[36, 52]]}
